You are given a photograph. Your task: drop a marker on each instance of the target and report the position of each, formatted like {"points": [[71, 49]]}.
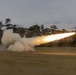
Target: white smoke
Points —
{"points": [[14, 42], [9, 37]]}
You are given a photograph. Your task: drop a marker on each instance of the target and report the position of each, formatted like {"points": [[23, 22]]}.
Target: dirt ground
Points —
{"points": [[40, 62]]}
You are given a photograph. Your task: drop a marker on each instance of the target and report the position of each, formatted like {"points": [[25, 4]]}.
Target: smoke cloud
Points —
{"points": [[14, 42], [9, 37]]}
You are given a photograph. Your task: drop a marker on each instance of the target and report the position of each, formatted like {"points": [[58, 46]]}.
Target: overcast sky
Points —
{"points": [[48, 12]]}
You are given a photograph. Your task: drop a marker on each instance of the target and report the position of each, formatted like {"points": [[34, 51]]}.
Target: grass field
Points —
{"points": [[29, 63]]}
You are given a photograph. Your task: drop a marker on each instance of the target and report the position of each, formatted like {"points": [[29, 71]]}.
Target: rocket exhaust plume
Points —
{"points": [[14, 42], [57, 36]]}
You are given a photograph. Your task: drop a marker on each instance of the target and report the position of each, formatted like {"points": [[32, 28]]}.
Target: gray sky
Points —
{"points": [[48, 12]]}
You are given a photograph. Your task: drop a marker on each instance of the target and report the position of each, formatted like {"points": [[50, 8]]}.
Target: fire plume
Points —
{"points": [[57, 37], [16, 43]]}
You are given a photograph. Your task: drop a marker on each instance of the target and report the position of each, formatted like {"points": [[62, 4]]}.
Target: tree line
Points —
{"points": [[38, 30]]}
